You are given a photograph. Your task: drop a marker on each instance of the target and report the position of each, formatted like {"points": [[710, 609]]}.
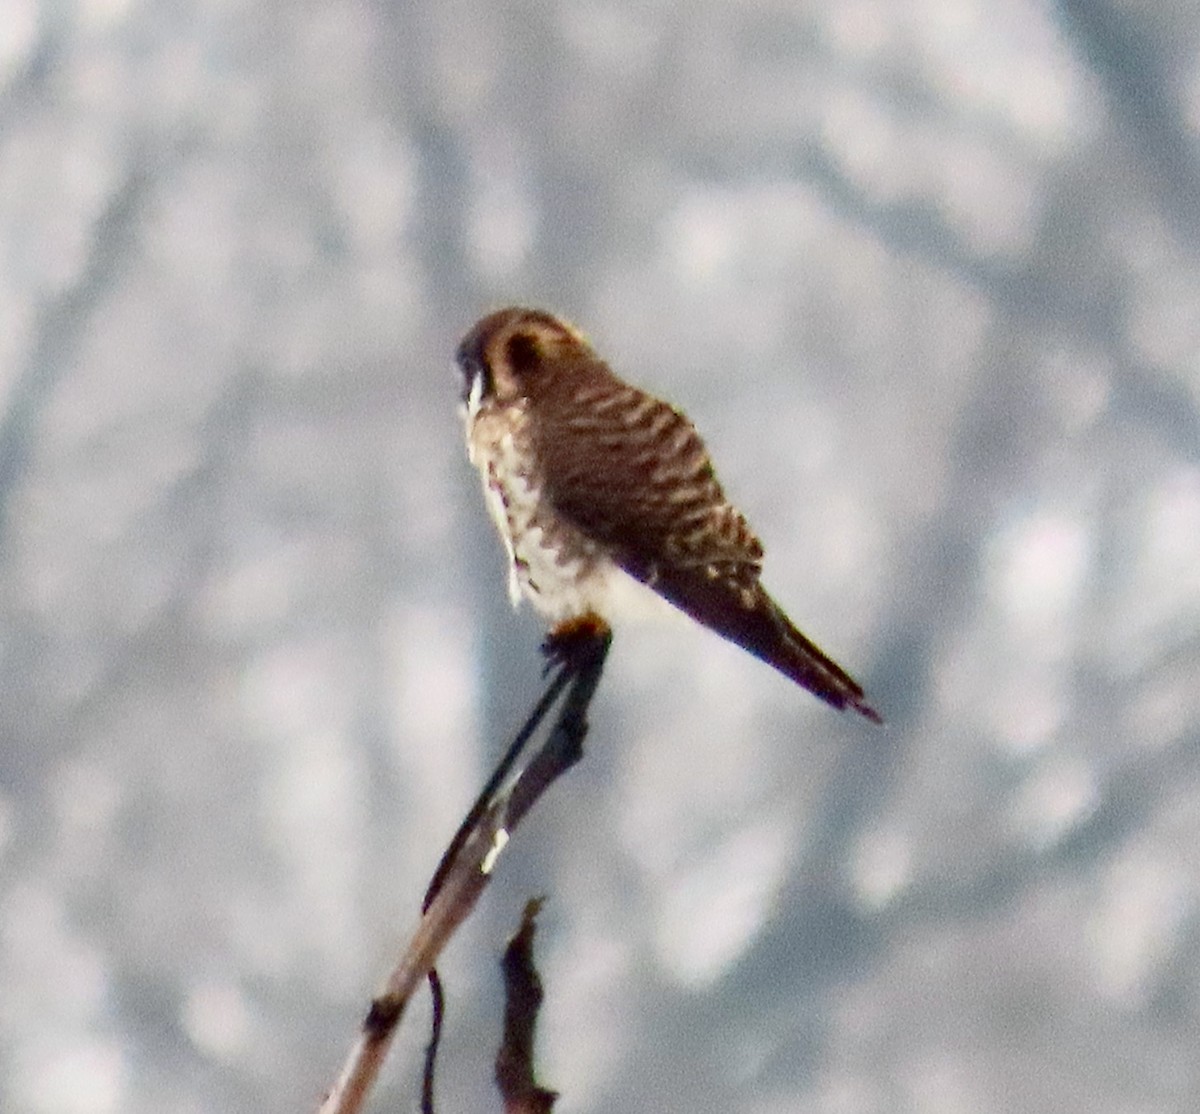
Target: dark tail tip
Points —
{"points": [[864, 709]]}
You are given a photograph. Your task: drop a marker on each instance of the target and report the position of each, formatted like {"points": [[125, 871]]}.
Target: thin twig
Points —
{"points": [[564, 745], [438, 1000], [455, 900], [466, 867], [488, 793], [454, 849]]}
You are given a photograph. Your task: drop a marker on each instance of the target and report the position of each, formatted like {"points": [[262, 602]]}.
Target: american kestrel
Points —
{"points": [[586, 475]]}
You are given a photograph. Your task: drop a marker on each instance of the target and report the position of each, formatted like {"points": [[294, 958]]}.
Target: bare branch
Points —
{"points": [[466, 867], [522, 1000]]}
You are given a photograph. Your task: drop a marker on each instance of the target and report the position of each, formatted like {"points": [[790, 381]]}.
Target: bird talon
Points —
{"points": [[572, 644]]}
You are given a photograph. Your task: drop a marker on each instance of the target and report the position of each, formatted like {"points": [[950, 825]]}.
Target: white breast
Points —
{"points": [[559, 570]]}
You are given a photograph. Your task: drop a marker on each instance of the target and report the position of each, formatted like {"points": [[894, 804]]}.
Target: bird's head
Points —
{"points": [[507, 352]]}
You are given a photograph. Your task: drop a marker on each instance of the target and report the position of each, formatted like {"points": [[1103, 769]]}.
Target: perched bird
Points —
{"points": [[586, 475]]}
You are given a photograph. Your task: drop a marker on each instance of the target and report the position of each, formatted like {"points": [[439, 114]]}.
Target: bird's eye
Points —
{"points": [[523, 352]]}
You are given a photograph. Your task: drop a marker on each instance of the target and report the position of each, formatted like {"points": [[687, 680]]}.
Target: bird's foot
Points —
{"points": [[576, 643]]}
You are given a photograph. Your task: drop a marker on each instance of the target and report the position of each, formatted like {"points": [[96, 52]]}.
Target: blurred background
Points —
{"points": [[925, 274]]}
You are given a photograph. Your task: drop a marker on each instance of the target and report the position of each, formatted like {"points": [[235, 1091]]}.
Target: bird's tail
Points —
{"points": [[784, 648], [761, 627]]}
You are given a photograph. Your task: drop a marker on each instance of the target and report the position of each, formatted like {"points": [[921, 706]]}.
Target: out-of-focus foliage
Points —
{"points": [[925, 274]]}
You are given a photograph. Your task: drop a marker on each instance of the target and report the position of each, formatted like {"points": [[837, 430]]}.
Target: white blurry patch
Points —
{"points": [[1038, 567], [939, 1082], [433, 674], [256, 589], [1013, 95], [217, 1018], [1158, 609], [1190, 100], [1148, 899], [614, 39], [590, 982], [87, 800], [1171, 540], [1164, 707], [300, 698], [376, 187], [718, 899], [58, 974], [502, 222], [993, 202], [881, 866], [1055, 800], [1009, 63], [59, 982], [1163, 322], [694, 767], [17, 325], [858, 28], [1027, 703], [6, 824], [314, 800], [1036, 570], [20, 35], [1005, 64], [305, 701], [988, 198], [1077, 386], [102, 15], [64, 1076], [703, 235], [298, 688], [699, 804]]}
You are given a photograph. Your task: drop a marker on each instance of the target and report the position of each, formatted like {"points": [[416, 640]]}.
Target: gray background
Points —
{"points": [[926, 276]]}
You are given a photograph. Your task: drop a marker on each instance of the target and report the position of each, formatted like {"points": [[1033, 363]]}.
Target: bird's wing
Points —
{"points": [[631, 472]]}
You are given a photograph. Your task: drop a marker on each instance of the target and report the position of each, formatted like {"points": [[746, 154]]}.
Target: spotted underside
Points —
{"points": [[551, 564]]}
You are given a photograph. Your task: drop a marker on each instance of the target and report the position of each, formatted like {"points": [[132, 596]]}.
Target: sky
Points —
{"points": [[925, 275]]}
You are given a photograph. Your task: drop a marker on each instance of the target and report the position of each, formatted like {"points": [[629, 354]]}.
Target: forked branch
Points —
{"points": [[467, 865]]}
